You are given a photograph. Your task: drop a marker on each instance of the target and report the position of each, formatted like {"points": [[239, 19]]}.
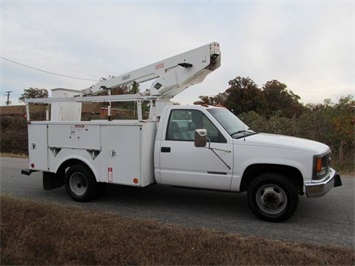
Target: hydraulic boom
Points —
{"points": [[173, 75]]}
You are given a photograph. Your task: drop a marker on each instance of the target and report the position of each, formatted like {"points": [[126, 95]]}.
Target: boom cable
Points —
{"points": [[45, 71]]}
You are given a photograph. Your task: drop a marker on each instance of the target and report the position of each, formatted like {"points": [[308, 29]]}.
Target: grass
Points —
{"points": [[13, 155], [43, 234]]}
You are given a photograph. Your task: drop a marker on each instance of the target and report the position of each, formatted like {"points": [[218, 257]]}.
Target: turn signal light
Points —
{"points": [[319, 164]]}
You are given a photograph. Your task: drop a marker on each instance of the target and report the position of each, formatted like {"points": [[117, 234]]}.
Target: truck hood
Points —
{"points": [[283, 142]]}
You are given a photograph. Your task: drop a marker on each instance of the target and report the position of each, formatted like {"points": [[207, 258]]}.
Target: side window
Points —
{"points": [[181, 126], [183, 123]]}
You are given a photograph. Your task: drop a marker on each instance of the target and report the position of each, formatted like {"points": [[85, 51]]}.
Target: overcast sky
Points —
{"points": [[308, 45]]}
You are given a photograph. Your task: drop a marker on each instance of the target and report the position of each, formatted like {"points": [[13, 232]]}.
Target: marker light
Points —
{"points": [[319, 164]]}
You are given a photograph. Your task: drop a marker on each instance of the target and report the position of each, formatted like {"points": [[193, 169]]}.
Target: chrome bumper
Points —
{"points": [[316, 189]]}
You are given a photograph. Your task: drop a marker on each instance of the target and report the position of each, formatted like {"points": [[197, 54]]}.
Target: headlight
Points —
{"points": [[321, 165]]}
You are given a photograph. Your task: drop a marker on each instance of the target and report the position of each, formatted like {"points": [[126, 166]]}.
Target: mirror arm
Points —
{"points": [[213, 150]]}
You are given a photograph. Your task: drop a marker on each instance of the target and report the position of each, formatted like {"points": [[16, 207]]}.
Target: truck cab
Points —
{"points": [[178, 162], [273, 169]]}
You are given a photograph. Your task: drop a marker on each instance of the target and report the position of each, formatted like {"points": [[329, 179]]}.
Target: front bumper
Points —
{"points": [[316, 189]]}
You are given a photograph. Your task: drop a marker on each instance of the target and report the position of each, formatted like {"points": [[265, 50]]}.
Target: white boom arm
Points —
{"points": [[173, 75]]}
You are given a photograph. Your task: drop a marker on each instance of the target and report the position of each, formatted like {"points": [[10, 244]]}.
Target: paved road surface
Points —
{"points": [[326, 220]]}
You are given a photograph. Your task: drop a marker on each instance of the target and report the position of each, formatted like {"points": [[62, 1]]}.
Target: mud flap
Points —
{"points": [[337, 181], [52, 181]]}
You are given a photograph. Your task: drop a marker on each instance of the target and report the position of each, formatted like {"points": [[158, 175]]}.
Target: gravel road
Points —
{"points": [[325, 220]]}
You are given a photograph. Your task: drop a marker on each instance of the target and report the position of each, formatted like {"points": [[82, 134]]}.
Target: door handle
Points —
{"points": [[165, 149]]}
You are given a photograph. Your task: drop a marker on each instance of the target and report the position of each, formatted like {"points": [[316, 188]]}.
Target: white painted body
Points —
{"points": [[65, 111], [275, 150], [116, 152], [189, 166], [130, 152]]}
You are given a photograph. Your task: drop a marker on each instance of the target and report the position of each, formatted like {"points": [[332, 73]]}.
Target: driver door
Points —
{"points": [[183, 164]]}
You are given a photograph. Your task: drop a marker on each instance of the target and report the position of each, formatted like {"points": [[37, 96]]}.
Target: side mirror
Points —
{"points": [[200, 138]]}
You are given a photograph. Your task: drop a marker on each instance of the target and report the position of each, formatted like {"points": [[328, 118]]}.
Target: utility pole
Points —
{"points": [[7, 93]]}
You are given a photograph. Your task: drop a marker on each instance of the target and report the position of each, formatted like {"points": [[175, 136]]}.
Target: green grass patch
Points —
{"points": [[43, 234]]}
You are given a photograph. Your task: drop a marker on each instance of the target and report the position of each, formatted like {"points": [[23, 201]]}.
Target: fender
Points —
{"points": [[66, 158], [276, 158]]}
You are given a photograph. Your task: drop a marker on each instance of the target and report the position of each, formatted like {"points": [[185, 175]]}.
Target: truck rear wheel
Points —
{"points": [[272, 197], [80, 183]]}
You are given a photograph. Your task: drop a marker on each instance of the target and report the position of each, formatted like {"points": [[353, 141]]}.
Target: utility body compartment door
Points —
{"points": [[81, 135], [121, 154], [37, 146], [183, 164], [127, 154]]}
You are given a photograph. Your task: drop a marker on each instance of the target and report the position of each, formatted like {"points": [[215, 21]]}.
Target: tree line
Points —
{"points": [[244, 95]]}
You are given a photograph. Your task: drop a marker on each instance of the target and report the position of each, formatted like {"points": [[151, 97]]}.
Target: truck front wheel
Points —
{"points": [[80, 183], [272, 197]]}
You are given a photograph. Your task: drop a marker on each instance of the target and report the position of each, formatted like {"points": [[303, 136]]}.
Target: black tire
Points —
{"points": [[272, 197], [80, 183]]}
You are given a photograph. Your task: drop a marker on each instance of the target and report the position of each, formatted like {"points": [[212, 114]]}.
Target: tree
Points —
{"points": [[205, 100], [243, 95], [343, 121], [33, 93], [218, 100], [127, 110], [279, 100], [134, 88]]}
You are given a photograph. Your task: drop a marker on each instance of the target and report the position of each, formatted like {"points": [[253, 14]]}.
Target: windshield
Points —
{"points": [[232, 124]]}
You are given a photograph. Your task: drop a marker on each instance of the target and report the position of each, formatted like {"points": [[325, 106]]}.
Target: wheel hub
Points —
{"points": [[271, 199], [78, 183]]}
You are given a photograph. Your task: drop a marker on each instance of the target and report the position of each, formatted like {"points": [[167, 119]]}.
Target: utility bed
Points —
{"points": [[121, 151]]}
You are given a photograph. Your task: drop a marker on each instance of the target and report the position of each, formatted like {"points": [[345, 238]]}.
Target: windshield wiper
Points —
{"points": [[244, 131], [240, 131]]}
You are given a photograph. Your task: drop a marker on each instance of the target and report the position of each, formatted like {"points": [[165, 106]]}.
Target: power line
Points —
{"points": [[45, 71]]}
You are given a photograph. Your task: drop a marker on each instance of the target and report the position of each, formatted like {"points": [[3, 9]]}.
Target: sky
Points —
{"points": [[307, 45]]}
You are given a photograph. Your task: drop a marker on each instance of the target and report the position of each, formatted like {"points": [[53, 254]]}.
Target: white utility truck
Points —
{"points": [[202, 147]]}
